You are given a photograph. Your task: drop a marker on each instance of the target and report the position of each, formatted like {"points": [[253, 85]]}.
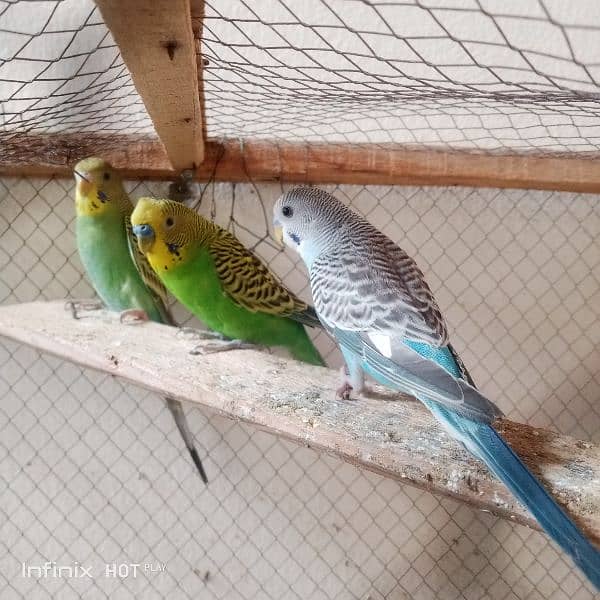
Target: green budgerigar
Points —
{"points": [[117, 269], [219, 280]]}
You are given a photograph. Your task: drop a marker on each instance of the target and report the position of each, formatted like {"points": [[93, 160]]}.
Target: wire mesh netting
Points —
{"points": [[93, 470], [478, 75], [60, 70]]}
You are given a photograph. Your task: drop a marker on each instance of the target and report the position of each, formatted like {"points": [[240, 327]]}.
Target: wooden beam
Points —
{"points": [[263, 160], [197, 10], [389, 434], [158, 46]]}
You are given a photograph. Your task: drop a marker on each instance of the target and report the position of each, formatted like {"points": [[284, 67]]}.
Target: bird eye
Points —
{"points": [[169, 222], [287, 211], [106, 176]]}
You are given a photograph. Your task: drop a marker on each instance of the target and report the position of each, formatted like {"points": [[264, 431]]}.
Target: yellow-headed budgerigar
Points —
{"points": [[220, 281], [374, 300], [118, 271]]}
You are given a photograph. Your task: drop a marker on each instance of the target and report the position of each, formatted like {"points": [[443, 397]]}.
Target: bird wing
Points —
{"points": [[249, 283], [149, 277], [373, 285], [404, 369]]}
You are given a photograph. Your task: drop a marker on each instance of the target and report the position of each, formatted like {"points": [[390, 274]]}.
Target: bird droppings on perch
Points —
{"points": [[387, 434]]}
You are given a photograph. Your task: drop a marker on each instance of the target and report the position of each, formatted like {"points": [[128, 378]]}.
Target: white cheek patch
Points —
{"points": [[382, 343]]}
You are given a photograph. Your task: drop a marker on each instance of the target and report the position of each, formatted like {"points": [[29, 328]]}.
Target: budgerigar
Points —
{"points": [[119, 273], [219, 280], [374, 300]]}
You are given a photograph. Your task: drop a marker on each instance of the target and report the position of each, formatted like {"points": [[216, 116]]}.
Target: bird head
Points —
{"points": [[308, 220], [161, 225], [99, 189]]}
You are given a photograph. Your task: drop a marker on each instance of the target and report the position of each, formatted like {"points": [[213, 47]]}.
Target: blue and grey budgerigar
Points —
{"points": [[374, 300]]}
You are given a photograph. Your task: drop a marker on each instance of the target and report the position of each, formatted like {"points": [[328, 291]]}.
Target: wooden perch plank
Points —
{"points": [[263, 160], [158, 46], [389, 434]]}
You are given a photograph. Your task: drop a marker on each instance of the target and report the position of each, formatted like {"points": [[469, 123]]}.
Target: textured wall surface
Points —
{"points": [[93, 470]]}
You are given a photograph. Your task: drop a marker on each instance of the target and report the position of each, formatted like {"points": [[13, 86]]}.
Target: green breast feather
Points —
{"points": [[208, 290], [104, 252]]}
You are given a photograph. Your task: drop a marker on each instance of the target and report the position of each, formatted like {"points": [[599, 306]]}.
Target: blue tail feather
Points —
{"points": [[486, 444]]}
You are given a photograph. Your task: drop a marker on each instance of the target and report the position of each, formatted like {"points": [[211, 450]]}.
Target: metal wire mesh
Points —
{"points": [[93, 470], [60, 70], [478, 75]]}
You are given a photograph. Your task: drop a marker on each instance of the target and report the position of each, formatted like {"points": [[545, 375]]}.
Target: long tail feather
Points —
{"points": [[486, 444], [469, 422], [179, 416], [194, 454]]}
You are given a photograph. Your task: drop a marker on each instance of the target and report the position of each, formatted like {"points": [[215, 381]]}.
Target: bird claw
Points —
{"points": [[134, 316], [222, 346], [199, 334], [76, 305], [343, 392]]}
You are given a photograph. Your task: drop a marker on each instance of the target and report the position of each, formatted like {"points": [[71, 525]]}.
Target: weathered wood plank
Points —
{"points": [[197, 10], [161, 55], [389, 434], [264, 160]]}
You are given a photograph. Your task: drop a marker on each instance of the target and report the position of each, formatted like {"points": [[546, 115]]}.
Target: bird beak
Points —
{"points": [[278, 233], [84, 184], [81, 176]]}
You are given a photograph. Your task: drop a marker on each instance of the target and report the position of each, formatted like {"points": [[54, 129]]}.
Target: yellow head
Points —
{"points": [[99, 189], [166, 230]]}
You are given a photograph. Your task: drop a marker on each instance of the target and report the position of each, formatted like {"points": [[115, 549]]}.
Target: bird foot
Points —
{"points": [[222, 346], [199, 334], [80, 305], [134, 316], [343, 392]]}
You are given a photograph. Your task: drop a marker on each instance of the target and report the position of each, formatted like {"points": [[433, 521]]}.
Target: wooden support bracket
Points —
{"points": [[161, 55], [386, 433]]}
